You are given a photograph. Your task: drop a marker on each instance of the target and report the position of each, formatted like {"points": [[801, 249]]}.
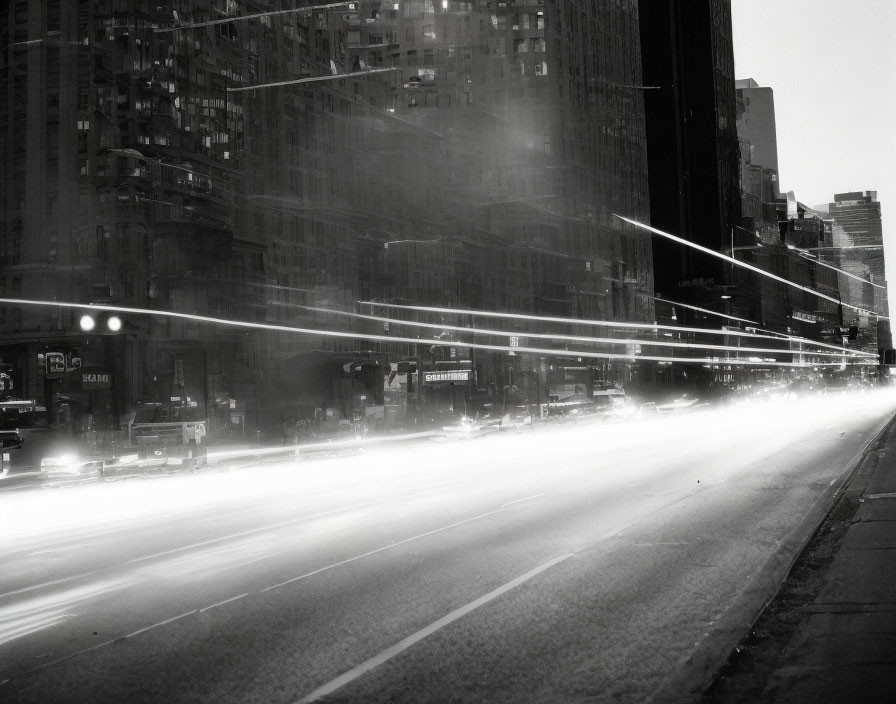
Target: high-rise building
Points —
{"points": [[779, 235], [756, 122], [690, 102], [256, 161], [693, 164], [858, 237], [122, 169]]}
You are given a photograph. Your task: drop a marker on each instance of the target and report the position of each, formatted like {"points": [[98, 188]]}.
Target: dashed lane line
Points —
{"points": [[382, 549], [403, 645]]}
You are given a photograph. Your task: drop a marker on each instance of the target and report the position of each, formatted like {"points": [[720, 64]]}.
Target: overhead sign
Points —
{"points": [[447, 375], [806, 317]]}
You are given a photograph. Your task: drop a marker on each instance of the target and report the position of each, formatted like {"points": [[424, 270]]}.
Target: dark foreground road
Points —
{"points": [[585, 564]]}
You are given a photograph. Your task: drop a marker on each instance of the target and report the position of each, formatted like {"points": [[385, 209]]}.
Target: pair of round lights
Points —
{"points": [[113, 323]]}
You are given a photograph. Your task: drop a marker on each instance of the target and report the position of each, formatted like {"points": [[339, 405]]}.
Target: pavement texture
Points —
{"points": [[829, 635]]}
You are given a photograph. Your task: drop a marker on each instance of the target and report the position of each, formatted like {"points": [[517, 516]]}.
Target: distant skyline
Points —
{"points": [[832, 67]]}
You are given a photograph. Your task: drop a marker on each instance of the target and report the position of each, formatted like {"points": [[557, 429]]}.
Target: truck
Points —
{"points": [[168, 433]]}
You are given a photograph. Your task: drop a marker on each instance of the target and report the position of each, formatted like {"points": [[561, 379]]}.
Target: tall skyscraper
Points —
{"points": [[756, 122], [858, 235], [253, 161], [690, 102]]}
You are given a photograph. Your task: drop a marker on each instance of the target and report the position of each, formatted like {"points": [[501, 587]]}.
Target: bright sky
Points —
{"points": [[832, 66]]}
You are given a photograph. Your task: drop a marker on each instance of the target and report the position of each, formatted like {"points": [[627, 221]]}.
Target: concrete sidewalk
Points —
{"points": [[829, 637]]}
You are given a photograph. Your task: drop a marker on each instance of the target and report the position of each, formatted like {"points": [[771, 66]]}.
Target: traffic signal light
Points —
{"points": [[106, 323]]}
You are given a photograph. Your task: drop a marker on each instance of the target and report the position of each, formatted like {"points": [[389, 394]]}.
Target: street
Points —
{"points": [[583, 563]]}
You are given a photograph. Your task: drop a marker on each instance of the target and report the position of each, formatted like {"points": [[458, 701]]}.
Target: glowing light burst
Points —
{"points": [[745, 265], [544, 351]]}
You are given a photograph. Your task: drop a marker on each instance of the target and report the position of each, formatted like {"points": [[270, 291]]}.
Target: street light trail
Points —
{"points": [[329, 77], [547, 351], [254, 16], [817, 260], [744, 265], [710, 312], [849, 246], [602, 323], [579, 338], [771, 333]]}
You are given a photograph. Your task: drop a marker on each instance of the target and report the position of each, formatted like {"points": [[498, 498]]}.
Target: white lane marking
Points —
{"points": [[160, 623], [251, 531], [390, 653], [221, 603], [511, 503], [57, 661], [378, 550]]}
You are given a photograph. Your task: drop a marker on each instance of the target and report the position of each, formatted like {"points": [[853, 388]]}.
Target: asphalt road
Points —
{"points": [[587, 563]]}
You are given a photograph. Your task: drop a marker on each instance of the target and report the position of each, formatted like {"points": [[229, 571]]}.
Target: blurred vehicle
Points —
{"points": [[169, 434], [610, 402], [683, 404], [70, 468], [859, 385], [467, 425], [9, 440], [773, 391], [516, 418]]}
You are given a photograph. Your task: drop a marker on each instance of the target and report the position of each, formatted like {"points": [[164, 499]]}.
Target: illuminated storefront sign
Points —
{"points": [[447, 375]]}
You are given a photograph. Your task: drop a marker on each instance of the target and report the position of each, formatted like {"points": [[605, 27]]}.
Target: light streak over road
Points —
{"points": [[606, 323], [817, 260], [750, 267], [254, 16], [313, 79], [546, 351], [595, 340]]}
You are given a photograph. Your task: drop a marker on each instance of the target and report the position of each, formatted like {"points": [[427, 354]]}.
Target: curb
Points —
{"points": [[696, 673]]}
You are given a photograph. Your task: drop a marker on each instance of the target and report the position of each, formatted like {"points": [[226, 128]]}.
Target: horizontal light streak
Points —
{"points": [[706, 310], [804, 254], [580, 338], [313, 79], [415, 340], [745, 265], [254, 16], [606, 323]]}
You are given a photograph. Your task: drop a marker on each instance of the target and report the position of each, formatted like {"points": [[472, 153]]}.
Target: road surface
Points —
{"points": [[585, 563]]}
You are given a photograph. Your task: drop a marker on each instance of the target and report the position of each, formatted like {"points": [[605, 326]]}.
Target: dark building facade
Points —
{"points": [[123, 167], [693, 162], [170, 156], [693, 153]]}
